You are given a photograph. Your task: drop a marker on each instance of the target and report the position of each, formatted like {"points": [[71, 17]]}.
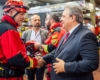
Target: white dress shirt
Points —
{"points": [[36, 36]]}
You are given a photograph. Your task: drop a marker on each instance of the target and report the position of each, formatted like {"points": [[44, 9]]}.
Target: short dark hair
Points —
{"points": [[55, 16], [87, 18]]}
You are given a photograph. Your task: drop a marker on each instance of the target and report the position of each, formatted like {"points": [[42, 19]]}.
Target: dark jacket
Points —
{"points": [[80, 54], [27, 34]]}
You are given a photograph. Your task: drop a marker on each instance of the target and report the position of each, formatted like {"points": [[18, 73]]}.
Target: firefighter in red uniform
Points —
{"points": [[13, 58], [97, 29], [55, 33]]}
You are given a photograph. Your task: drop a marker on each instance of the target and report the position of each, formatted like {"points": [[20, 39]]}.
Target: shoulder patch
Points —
{"points": [[54, 41], [57, 29], [55, 36]]}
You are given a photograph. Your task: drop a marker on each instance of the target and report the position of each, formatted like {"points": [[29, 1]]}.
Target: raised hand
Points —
{"points": [[36, 45]]}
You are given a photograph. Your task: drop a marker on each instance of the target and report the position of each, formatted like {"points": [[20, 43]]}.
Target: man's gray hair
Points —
{"points": [[75, 10]]}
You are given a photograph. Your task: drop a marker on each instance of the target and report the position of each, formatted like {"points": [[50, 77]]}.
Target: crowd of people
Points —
{"points": [[66, 50]]}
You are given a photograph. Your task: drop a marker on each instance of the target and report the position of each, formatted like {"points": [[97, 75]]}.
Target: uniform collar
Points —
{"points": [[9, 20], [54, 26]]}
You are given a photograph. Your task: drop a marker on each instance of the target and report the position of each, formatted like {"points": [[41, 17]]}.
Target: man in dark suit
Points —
{"points": [[39, 35], [77, 57]]}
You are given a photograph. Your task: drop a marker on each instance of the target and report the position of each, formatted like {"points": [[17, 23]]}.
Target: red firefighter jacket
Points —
{"points": [[55, 34], [12, 48], [97, 33]]}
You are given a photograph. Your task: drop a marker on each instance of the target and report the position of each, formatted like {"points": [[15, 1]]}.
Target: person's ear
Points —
{"points": [[73, 18], [11, 12]]}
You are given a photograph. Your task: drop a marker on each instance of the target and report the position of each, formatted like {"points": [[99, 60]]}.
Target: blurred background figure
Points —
{"points": [[25, 26], [52, 22], [87, 23], [39, 35]]}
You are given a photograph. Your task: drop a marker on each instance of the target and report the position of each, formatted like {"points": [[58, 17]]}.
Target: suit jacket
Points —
{"points": [[80, 54], [27, 34]]}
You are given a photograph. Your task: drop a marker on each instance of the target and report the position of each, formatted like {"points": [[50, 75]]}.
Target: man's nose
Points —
{"points": [[38, 21], [61, 19]]}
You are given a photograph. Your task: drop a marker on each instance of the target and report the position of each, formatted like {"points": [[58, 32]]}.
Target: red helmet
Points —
{"points": [[15, 4]]}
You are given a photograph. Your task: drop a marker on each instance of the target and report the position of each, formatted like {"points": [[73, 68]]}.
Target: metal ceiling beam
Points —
{"points": [[55, 1]]}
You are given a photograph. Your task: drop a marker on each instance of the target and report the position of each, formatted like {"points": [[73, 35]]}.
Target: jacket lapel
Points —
{"points": [[29, 35], [67, 41], [42, 36], [62, 46]]}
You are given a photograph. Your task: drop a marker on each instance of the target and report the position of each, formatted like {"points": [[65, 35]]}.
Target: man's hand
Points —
{"points": [[36, 45], [59, 66], [30, 42], [41, 62]]}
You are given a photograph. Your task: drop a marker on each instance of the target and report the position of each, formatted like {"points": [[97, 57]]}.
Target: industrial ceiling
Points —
{"points": [[46, 2]]}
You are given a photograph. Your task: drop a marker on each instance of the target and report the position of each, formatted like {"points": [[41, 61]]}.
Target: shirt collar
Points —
{"points": [[73, 29], [35, 33]]}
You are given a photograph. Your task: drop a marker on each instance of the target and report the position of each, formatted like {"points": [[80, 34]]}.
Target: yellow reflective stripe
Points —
{"points": [[46, 49], [1, 68], [31, 63], [55, 36]]}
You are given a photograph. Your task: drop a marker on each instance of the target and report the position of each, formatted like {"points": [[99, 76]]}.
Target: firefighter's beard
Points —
{"points": [[48, 26]]}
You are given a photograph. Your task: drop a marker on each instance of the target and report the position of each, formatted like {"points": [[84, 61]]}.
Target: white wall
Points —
{"points": [[1, 11]]}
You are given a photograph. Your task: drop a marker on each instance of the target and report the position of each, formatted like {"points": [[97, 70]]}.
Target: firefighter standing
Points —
{"points": [[97, 30], [13, 58]]}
